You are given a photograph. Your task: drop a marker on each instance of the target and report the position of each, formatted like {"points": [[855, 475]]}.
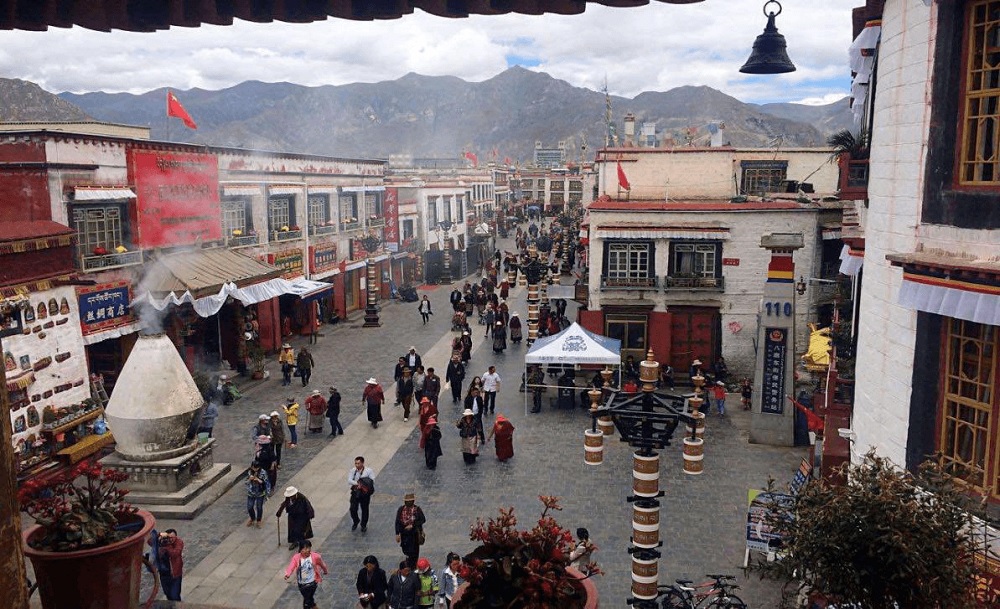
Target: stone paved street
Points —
{"points": [[702, 518]]}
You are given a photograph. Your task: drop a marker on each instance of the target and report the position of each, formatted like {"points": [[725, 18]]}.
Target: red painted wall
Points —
{"points": [[659, 335], [24, 267], [339, 295], [24, 195], [592, 320], [268, 317]]}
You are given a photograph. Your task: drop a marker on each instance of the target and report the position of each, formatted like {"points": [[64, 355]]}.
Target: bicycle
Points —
{"points": [[682, 595]]}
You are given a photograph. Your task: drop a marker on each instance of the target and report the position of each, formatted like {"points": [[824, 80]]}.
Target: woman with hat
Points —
{"points": [[466, 347], [410, 527], [427, 410], [515, 328], [277, 436], [287, 360], [267, 460], [499, 337], [468, 430], [300, 515], [503, 432], [291, 409], [432, 443], [373, 398], [316, 407]]}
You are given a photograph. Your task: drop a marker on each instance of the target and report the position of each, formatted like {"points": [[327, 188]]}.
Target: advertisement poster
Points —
{"points": [[763, 506], [772, 396], [177, 197], [391, 210]]}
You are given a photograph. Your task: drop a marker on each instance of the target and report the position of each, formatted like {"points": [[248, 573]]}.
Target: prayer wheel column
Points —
{"points": [[593, 439], [645, 504]]}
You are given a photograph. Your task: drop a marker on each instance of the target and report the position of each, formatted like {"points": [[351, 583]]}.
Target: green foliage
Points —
{"points": [[885, 539], [856, 146]]}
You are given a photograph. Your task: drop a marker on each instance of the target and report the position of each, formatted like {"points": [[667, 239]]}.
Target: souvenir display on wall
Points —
{"points": [[42, 363], [64, 307], [42, 311], [8, 361], [10, 325], [19, 424], [48, 324], [62, 357], [53, 307], [25, 362], [61, 321], [33, 419], [29, 314]]}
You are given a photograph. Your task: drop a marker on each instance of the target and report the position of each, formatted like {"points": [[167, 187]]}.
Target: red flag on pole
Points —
{"points": [[506, 160], [813, 421], [472, 157], [176, 110], [622, 180]]}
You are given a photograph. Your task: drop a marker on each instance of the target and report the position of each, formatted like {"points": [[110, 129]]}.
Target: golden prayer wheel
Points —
{"points": [[645, 475], [694, 455], [606, 425], [593, 446], [643, 584], [645, 526]]}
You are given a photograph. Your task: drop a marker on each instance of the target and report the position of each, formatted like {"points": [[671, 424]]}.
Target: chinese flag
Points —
{"points": [[472, 157], [506, 160], [176, 110], [622, 180], [813, 421]]}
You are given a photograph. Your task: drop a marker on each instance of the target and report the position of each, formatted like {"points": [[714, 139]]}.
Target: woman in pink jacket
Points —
{"points": [[306, 565]]}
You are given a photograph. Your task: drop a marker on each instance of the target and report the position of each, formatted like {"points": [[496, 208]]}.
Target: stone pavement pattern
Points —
{"points": [[702, 517]]}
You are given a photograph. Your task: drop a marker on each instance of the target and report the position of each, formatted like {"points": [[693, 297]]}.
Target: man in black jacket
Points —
{"points": [[456, 376], [403, 587], [333, 412], [474, 402]]}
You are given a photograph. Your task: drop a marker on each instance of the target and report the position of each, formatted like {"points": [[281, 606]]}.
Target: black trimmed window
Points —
{"points": [[348, 204], [281, 212], [318, 209], [695, 259], [432, 212], [760, 177], [373, 204], [447, 207], [629, 264], [102, 225], [236, 216]]}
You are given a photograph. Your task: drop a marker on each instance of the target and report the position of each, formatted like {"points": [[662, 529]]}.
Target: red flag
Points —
{"points": [[813, 421], [472, 157], [176, 110], [622, 180], [506, 160]]}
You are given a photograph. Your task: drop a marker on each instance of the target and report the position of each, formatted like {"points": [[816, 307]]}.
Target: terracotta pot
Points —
{"points": [[97, 578], [589, 589]]}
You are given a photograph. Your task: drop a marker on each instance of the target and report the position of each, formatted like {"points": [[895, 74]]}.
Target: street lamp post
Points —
{"points": [[371, 242], [646, 421], [445, 226]]}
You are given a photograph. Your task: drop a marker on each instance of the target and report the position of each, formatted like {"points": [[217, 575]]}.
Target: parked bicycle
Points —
{"points": [[715, 594]]}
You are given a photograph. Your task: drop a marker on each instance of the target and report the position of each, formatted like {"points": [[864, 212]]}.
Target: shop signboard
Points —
{"points": [[177, 197], [288, 260], [772, 398], [104, 306], [322, 257], [391, 211]]}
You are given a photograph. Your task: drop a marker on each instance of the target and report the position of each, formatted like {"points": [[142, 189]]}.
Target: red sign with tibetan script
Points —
{"points": [[177, 197], [730, 262], [391, 210]]}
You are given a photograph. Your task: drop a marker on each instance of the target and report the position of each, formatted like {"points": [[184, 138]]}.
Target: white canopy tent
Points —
{"points": [[574, 345]]}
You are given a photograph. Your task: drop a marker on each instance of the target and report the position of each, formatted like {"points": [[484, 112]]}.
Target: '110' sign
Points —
{"points": [[777, 309]]}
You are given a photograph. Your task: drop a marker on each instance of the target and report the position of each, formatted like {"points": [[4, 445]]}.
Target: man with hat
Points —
{"points": [[316, 406], [287, 360], [718, 393], [262, 428], [300, 515], [410, 527], [333, 412], [429, 586], [695, 369], [373, 398]]}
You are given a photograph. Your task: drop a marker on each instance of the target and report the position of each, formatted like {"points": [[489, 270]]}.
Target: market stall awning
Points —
{"points": [[575, 345], [307, 290]]}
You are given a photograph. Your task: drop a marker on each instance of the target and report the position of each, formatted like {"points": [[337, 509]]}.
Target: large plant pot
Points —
{"points": [[589, 589], [98, 578]]}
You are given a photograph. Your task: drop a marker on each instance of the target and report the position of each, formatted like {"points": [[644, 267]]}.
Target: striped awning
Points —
{"points": [[851, 260], [240, 191], [371, 188], [285, 190], [86, 193], [661, 232], [950, 286]]}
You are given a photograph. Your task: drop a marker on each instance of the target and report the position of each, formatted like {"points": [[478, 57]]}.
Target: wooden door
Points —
{"points": [[694, 332]]}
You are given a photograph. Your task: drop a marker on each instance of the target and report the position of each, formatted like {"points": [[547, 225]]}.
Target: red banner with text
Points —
{"points": [[177, 197]]}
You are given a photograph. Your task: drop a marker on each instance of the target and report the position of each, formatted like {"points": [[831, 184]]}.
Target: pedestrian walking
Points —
{"points": [[419, 375], [361, 480], [515, 328], [410, 527], [432, 443], [499, 337], [277, 436], [397, 374], [258, 490], [432, 386], [305, 362], [468, 430], [502, 434], [580, 556], [746, 392], [373, 398], [333, 412], [429, 585], [404, 389], [456, 376], [536, 380], [450, 578], [427, 410], [291, 409], [474, 402], [456, 300], [316, 407], [466, 347], [307, 565], [412, 359], [268, 462], [425, 309], [489, 320], [718, 392], [208, 417], [287, 360], [300, 514], [372, 584], [170, 563], [491, 385], [403, 587]]}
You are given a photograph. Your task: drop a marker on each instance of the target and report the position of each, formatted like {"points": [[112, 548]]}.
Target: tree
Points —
{"points": [[885, 539], [856, 146]]}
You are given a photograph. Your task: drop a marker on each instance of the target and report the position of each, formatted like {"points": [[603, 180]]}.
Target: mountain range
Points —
{"points": [[432, 116]]}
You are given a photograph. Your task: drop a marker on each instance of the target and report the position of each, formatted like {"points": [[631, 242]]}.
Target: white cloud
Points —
{"points": [[656, 47]]}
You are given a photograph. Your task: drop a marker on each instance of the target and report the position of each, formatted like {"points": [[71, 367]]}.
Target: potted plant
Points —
{"points": [[86, 544], [524, 569], [851, 152], [257, 357]]}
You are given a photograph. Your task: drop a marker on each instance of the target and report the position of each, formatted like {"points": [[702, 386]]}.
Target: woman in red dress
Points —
{"points": [[503, 432], [428, 411]]}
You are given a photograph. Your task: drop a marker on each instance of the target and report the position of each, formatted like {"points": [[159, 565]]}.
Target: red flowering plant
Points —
{"points": [[78, 510], [522, 569]]}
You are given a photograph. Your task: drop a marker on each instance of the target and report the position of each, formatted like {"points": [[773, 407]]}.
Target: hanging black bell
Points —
{"points": [[769, 54]]}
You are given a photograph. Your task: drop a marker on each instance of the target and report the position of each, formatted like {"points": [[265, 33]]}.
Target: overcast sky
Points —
{"points": [[651, 48]]}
